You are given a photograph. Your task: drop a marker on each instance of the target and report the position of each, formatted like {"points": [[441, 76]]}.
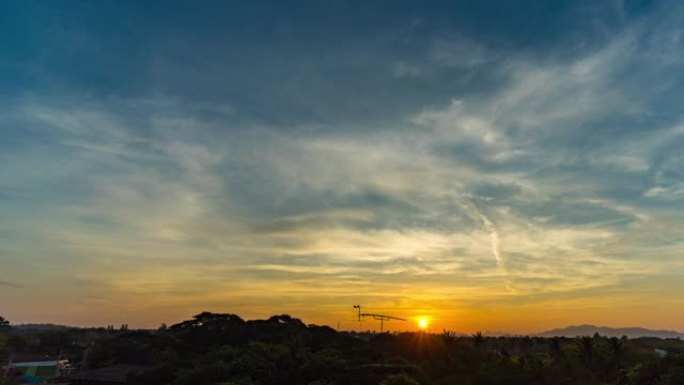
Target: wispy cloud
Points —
{"points": [[555, 178], [11, 284], [496, 245]]}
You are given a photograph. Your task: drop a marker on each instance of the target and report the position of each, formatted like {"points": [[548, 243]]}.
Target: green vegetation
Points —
{"points": [[223, 349]]}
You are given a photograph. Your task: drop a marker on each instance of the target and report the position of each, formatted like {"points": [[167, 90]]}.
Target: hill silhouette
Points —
{"points": [[589, 330]]}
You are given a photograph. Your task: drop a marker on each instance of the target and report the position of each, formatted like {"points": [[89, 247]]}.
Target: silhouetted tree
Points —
{"points": [[478, 339], [616, 346], [586, 346], [327, 364], [555, 348], [214, 348]]}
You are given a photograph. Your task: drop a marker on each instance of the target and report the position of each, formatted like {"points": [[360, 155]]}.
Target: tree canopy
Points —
{"points": [[223, 348]]}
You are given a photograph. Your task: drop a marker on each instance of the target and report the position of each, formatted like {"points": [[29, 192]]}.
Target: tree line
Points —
{"points": [[220, 348]]}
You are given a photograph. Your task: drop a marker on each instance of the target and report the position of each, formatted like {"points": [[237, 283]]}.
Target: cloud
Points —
{"points": [[675, 191], [496, 245], [11, 284], [403, 70], [460, 53]]}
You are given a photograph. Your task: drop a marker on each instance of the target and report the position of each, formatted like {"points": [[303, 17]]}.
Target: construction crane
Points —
{"points": [[378, 317]]}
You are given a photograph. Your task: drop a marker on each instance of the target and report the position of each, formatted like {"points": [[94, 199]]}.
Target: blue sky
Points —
{"points": [[509, 166]]}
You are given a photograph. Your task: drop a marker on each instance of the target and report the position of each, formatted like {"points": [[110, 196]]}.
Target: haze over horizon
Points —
{"points": [[514, 167], [373, 326]]}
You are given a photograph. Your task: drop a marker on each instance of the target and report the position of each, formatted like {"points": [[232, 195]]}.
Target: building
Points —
{"points": [[36, 372]]}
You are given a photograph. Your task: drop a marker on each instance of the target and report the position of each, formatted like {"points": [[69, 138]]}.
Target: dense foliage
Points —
{"points": [[225, 349]]}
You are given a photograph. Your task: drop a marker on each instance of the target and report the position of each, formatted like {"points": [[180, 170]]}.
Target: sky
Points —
{"points": [[494, 166]]}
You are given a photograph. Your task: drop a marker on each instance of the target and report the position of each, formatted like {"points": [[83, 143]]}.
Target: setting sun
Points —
{"points": [[423, 322]]}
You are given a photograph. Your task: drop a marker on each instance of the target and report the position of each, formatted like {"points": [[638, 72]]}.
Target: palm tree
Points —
{"points": [[586, 352], [586, 345], [617, 348], [478, 339], [448, 337], [555, 348]]}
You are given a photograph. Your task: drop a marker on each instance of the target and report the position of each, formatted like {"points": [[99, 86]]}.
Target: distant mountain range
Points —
{"points": [[588, 330]]}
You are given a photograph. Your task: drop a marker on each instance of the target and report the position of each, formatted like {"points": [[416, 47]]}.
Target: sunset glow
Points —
{"points": [[484, 168]]}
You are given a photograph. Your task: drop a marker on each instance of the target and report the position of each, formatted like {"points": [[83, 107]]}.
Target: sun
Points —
{"points": [[423, 322]]}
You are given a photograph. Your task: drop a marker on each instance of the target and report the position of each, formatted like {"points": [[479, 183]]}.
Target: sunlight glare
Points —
{"points": [[423, 323]]}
